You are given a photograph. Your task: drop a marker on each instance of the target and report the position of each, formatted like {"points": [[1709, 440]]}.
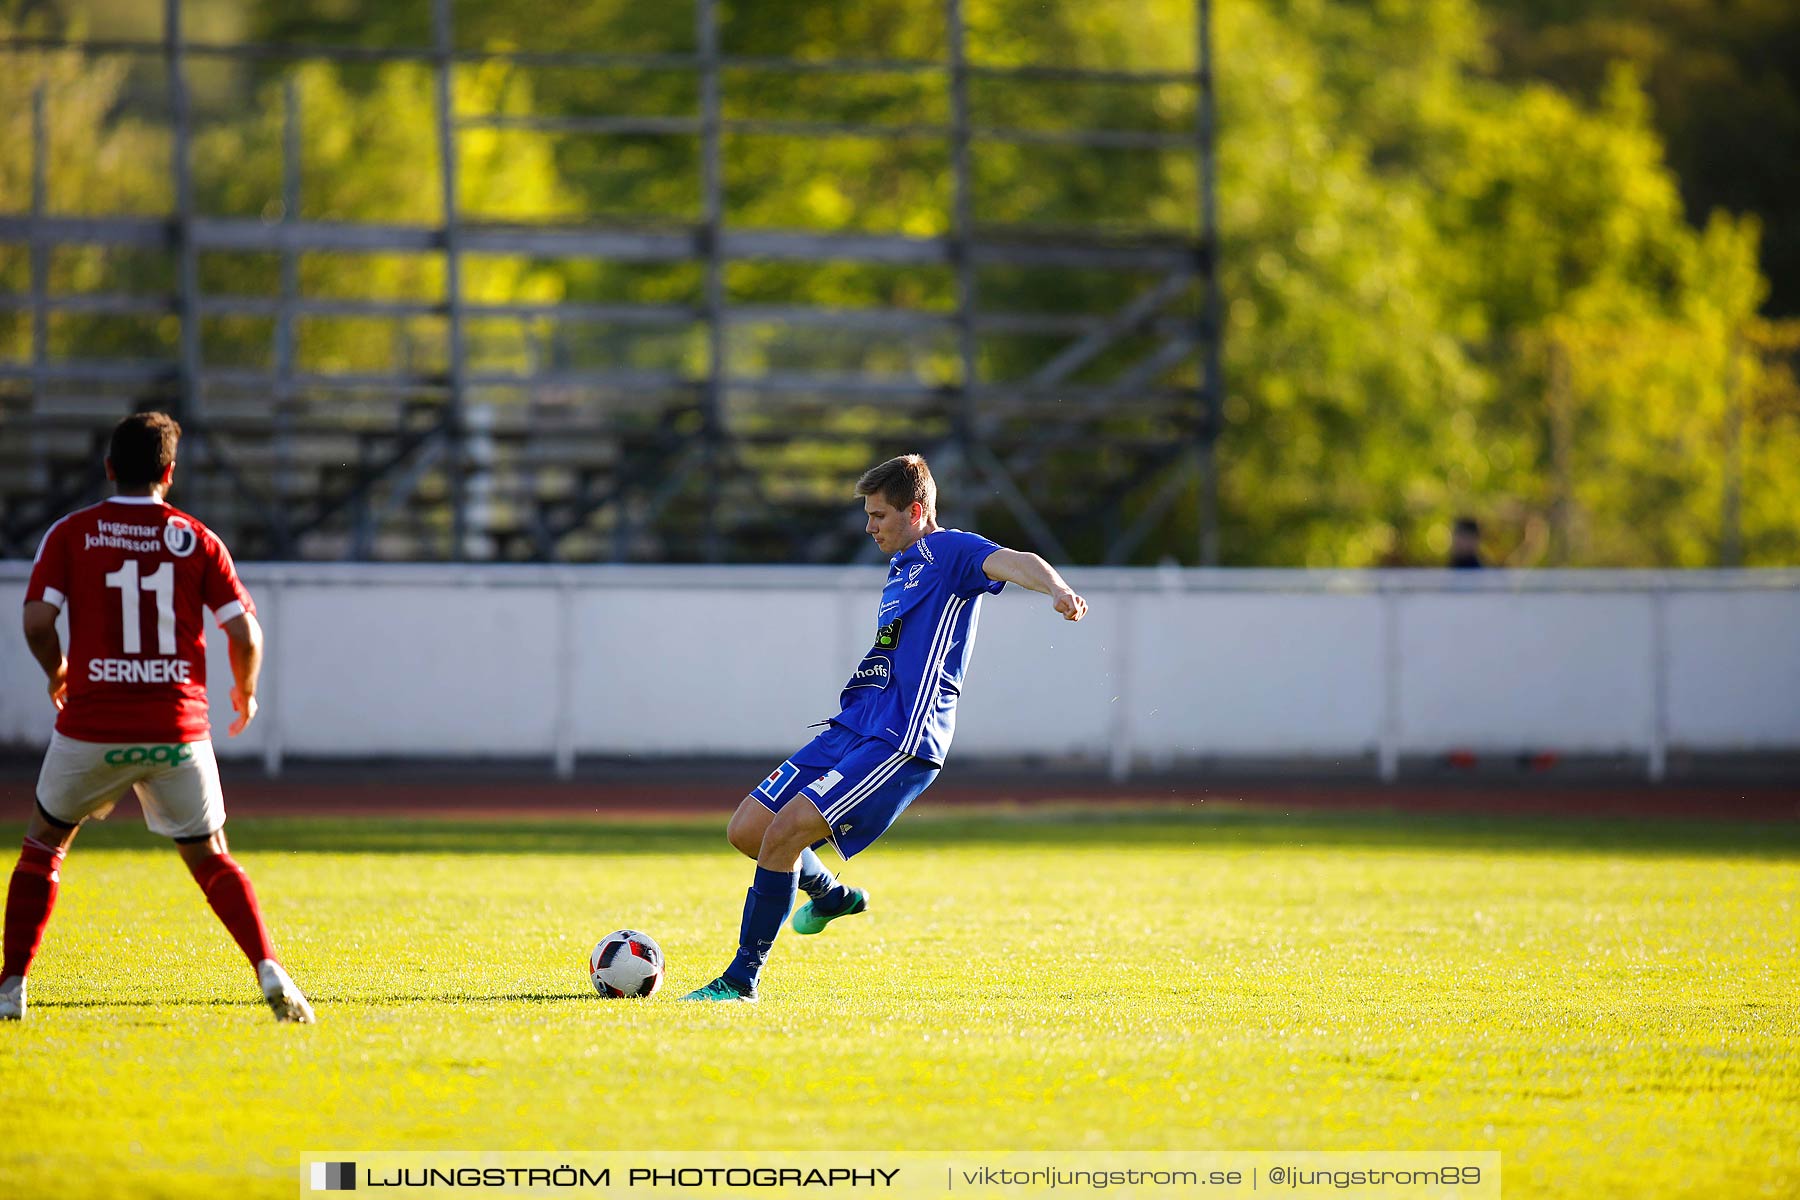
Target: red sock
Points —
{"points": [[29, 899], [228, 890]]}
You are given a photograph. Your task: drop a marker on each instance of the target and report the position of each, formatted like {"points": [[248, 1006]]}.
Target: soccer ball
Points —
{"points": [[626, 963]]}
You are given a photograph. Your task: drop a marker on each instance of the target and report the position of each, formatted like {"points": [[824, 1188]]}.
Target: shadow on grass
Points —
{"points": [[324, 999], [1215, 828], [144, 1002], [570, 997]]}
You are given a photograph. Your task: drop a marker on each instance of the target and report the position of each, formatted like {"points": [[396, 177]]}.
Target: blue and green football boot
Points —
{"points": [[722, 989], [808, 919]]}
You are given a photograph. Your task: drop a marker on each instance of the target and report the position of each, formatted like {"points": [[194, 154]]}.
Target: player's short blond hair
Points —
{"points": [[902, 482]]}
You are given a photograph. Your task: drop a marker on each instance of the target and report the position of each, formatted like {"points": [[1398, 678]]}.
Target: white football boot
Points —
{"points": [[12, 998], [286, 999]]}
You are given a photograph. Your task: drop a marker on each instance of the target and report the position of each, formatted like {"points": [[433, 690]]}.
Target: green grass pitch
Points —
{"points": [[1615, 1008]]}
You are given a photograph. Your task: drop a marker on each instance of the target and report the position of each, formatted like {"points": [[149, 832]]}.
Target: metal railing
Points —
{"points": [[656, 463]]}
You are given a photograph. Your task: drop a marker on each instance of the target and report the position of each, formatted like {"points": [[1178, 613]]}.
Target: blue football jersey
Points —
{"points": [[905, 689]]}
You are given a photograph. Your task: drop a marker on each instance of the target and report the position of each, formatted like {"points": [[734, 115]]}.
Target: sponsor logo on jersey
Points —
{"points": [[844, 828], [179, 537], [873, 671], [129, 756], [925, 550], [118, 535], [778, 779], [139, 670], [888, 636], [825, 783]]}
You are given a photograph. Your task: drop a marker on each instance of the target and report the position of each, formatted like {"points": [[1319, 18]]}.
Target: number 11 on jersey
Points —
{"points": [[160, 582]]}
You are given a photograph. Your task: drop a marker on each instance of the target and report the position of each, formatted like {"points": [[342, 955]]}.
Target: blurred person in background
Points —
{"points": [[1465, 544]]}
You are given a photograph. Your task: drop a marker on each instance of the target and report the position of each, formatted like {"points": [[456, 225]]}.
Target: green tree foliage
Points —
{"points": [[1432, 277], [1724, 92], [98, 161], [371, 154], [1445, 291]]}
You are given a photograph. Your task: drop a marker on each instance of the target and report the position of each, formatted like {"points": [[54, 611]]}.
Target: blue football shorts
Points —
{"points": [[860, 785]]}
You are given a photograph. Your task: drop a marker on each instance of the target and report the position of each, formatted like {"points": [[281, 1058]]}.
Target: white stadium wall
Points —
{"points": [[447, 661]]}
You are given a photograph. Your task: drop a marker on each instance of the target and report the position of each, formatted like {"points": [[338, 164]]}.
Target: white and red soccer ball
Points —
{"points": [[626, 963]]}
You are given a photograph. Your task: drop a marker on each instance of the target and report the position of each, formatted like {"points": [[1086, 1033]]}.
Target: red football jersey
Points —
{"points": [[136, 574]]}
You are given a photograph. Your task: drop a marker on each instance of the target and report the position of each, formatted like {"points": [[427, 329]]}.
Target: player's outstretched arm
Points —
{"points": [[1029, 571], [46, 647], [245, 635]]}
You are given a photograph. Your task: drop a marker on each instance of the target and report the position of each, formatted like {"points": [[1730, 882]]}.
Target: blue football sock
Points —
{"points": [[765, 908], [816, 880]]}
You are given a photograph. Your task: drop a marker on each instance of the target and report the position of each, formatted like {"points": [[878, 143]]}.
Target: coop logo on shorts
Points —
{"points": [[131, 756], [873, 671], [334, 1177], [179, 537]]}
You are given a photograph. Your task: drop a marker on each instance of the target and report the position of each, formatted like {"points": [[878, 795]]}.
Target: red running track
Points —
{"points": [[345, 794]]}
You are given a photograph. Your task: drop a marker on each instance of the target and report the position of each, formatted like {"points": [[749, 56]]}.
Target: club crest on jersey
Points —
{"points": [[179, 537], [873, 671], [913, 573]]}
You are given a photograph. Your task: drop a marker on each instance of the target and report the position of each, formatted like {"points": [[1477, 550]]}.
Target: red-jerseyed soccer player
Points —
{"points": [[136, 575]]}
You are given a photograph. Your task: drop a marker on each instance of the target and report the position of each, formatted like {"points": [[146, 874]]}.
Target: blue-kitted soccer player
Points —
{"points": [[888, 742]]}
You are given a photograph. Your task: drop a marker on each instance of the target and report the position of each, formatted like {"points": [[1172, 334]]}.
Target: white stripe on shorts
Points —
{"points": [[869, 785]]}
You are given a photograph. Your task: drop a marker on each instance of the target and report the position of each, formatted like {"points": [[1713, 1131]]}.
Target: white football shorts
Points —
{"points": [[176, 782]]}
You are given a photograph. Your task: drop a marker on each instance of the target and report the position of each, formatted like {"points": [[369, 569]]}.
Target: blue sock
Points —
{"points": [[765, 908], [816, 880]]}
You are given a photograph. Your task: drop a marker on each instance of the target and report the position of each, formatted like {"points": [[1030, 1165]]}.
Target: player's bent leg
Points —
{"points": [[748, 824], [30, 898], [796, 827], [822, 888], [76, 782], [874, 784], [228, 891]]}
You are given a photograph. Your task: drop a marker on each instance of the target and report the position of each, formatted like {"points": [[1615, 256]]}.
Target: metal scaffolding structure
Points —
{"points": [[1104, 451]]}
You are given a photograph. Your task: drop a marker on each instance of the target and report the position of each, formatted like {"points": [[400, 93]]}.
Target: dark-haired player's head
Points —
{"points": [[900, 498], [142, 450]]}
